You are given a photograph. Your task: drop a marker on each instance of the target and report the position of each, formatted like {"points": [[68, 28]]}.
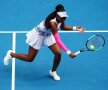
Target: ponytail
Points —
{"points": [[51, 16], [58, 8]]}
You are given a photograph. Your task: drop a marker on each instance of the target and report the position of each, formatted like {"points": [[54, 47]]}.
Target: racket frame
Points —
{"points": [[87, 48], [98, 48]]}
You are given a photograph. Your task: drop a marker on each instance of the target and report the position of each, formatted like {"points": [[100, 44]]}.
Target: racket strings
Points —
{"points": [[97, 42]]}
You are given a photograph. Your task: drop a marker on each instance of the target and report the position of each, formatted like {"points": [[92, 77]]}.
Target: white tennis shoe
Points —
{"points": [[7, 57], [54, 75]]}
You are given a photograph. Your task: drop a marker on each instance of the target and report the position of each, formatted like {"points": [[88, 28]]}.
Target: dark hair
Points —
{"points": [[58, 8]]}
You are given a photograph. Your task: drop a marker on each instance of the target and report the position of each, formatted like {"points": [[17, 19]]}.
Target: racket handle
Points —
{"points": [[78, 52]]}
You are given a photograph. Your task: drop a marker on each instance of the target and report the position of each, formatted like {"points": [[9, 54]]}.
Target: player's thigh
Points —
{"points": [[55, 49], [32, 52]]}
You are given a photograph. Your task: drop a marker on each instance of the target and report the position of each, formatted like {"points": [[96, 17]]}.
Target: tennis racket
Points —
{"points": [[94, 43]]}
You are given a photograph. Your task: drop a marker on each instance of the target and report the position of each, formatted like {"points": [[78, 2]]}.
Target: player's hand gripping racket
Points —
{"points": [[94, 43]]}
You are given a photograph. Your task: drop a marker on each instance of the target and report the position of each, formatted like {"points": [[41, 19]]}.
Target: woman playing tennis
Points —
{"points": [[46, 33]]}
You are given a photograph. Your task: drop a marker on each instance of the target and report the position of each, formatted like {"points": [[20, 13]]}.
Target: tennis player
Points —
{"points": [[46, 33]]}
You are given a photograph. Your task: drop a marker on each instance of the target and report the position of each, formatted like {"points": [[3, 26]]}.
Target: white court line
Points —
{"points": [[13, 61], [88, 31]]}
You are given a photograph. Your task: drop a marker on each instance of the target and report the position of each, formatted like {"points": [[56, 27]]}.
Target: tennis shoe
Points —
{"points": [[54, 75], [7, 57]]}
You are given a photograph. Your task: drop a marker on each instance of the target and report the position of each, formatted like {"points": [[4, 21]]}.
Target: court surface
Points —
{"points": [[88, 71]]}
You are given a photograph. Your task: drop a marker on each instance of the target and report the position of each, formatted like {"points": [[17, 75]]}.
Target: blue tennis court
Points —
{"points": [[88, 71]]}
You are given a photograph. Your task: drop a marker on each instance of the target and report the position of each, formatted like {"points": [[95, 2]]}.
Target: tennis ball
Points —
{"points": [[92, 47]]}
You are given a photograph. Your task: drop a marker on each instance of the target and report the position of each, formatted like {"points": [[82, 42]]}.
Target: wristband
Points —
{"points": [[68, 52], [74, 28]]}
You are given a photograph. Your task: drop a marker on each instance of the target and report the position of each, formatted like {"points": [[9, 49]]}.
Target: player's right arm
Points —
{"points": [[58, 41]]}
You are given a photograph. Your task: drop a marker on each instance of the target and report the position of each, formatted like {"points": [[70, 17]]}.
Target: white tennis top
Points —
{"points": [[42, 27]]}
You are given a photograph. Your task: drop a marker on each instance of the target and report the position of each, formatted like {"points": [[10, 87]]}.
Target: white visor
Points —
{"points": [[62, 14]]}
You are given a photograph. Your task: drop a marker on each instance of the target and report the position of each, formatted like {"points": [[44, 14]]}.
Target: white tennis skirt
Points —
{"points": [[35, 40]]}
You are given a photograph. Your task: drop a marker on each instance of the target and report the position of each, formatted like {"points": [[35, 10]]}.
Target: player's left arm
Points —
{"points": [[69, 28]]}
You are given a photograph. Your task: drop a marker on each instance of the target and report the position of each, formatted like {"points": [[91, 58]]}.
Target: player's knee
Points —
{"points": [[58, 54]]}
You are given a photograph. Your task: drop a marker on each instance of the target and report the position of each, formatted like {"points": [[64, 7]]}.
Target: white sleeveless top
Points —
{"points": [[42, 27]]}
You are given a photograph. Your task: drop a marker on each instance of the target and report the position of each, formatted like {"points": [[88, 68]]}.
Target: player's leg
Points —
{"points": [[56, 51], [24, 57]]}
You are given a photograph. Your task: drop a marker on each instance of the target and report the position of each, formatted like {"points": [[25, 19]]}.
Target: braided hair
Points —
{"points": [[51, 16]]}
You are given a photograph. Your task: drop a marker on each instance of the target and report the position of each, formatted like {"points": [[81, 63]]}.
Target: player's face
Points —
{"points": [[59, 19]]}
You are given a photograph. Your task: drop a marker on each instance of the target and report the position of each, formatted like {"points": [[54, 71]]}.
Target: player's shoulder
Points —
{"points": [[53, 24], [53, 20]]}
